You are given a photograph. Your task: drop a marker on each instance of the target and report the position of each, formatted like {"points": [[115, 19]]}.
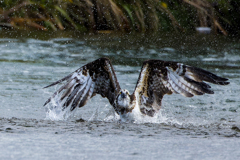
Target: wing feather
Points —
{"points": [[97, 77], [72, 95], [69, 88], [158, 78]]}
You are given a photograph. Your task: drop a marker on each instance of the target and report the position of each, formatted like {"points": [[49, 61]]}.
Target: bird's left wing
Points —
{"points": [[158, 78], [97, 77]]}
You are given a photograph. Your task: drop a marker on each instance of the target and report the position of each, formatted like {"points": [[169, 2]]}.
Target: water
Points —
{"points": [[202, 127]]}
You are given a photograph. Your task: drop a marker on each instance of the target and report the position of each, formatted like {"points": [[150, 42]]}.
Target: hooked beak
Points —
{"points": [[123, 95]]}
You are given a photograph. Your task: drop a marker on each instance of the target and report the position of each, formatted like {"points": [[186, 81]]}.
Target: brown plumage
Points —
{"points": [[156, 79]]}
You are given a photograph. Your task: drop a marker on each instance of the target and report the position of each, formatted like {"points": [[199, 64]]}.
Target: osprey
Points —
{"points": [[156, 79]]}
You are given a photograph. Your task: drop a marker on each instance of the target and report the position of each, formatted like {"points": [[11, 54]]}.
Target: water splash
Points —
{"points": [[108, 115], [55, 112], [165, 116], [112, 116]]}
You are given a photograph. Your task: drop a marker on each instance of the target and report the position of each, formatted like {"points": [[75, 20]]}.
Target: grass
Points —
{"points": [[106, 16]]}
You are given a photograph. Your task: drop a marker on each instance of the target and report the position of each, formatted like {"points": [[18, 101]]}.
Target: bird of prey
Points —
{"points": [[156, 79]]}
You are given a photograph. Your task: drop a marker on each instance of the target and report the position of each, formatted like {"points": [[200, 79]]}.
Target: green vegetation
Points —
{"points": [[122, 15]]}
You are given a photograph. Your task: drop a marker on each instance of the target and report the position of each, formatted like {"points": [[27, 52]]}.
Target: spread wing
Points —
{"points": [[97, 77], [158, 78]]}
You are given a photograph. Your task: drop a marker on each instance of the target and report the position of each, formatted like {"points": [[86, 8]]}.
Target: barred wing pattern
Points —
{"points": [[97, 77], [158, 78]]}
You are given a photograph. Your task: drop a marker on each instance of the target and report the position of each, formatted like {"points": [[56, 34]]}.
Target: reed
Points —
{"points": [[121, 15]]}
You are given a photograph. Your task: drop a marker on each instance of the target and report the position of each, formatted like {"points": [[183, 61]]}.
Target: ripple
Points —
{"points": [[202, 124]]}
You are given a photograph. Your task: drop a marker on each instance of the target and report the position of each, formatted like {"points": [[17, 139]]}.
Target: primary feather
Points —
{"points": [[156, 79]]}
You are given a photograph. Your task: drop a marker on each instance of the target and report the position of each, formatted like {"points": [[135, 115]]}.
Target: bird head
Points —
{"points": [[123, 99]]}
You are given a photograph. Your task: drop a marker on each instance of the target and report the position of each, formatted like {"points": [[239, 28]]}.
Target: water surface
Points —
{"points": [[202, 127]]}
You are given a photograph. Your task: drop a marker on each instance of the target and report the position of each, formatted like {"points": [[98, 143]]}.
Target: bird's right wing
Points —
{"points": [[97, 77], [158, 78]]}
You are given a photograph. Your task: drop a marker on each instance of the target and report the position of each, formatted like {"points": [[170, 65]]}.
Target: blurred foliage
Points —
{"points": [[222, 16]]}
